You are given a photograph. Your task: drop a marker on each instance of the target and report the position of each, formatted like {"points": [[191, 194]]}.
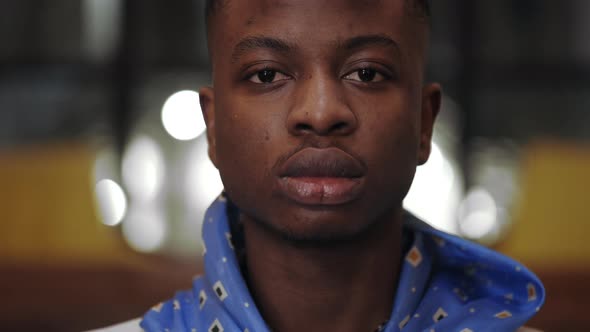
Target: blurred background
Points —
{"points": [[104, 175]]}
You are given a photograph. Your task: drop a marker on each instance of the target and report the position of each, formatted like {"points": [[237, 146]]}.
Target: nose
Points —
{"points": [[321, 109]]}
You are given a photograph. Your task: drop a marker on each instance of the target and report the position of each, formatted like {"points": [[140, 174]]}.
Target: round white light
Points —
{"points": [[478, 214], [145, 229], [203, 183], [181, 115], [112, 203], [434, 194], [143, 169]]}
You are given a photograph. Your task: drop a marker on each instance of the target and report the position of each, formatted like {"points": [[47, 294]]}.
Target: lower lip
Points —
{"points": [[320, 191]]}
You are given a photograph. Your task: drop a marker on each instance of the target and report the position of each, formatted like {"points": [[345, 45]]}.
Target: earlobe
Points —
{"points": [[431, 104], [207, 100]]}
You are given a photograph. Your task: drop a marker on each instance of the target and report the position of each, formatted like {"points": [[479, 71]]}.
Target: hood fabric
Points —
{"points": [[446, 284]]}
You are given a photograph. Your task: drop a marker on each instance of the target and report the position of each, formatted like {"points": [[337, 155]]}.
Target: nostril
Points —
{"points": [[303, 127], [340, 126]]}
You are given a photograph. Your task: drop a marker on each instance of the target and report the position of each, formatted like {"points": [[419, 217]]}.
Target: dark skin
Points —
{"points": [[300, 78]]}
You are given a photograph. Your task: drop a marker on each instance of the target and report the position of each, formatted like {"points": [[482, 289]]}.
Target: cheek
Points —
{"points": [[244, 153], [392, 124], [392, 141]]}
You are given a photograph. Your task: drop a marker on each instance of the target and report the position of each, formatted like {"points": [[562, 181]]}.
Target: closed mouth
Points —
{"points": [[321, 177], [322, 163]]}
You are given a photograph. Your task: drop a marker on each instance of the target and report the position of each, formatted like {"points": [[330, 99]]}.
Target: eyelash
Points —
{"points": [[385, 76], [253, 75]]}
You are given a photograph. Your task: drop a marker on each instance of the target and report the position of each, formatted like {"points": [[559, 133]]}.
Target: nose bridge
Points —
{"points": [[320, 94], [320, 107]]}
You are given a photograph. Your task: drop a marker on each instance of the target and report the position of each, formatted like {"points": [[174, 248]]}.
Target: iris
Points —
{"points": [[267, 76], [367, 74]]}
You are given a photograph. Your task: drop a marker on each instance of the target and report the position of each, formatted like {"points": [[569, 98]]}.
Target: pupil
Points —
{"points": [[367, 75], [266, 76]]}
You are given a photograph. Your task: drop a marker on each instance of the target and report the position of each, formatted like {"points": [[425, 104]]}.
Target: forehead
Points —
{"points": [[235, 9], [310, 4], [308, 18], [215, 5]]}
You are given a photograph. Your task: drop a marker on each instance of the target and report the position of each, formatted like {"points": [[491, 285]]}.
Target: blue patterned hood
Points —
{"points": [[446, 284]]}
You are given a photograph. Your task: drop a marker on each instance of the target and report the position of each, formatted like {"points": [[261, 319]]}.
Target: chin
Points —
{"points": [[319, 227]]}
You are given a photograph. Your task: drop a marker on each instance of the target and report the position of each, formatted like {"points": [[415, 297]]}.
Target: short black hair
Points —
{"points": [[210, 7], [422, 8]]}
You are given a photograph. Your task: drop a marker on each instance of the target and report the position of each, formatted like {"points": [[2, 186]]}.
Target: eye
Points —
{"points": [[366, 75], [267, 76]]}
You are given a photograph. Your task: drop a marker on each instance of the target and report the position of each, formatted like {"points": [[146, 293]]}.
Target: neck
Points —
{"points": [[345, 287]]}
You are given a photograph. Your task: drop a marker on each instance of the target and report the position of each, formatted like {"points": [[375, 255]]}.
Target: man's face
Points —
{"points": [[318, 118]]}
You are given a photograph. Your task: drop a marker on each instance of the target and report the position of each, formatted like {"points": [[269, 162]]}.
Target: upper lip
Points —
{"points": [[328, 162]]}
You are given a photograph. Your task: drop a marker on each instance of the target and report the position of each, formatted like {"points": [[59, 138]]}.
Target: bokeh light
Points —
{"points": [[478, 214], [203, 183], [143, 169], [181, 115], [145, 229], [111, 200], [435, 192]]}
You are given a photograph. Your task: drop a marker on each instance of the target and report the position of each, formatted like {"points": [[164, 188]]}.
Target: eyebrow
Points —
{"points": [[260, 42], [278, 45], [368, 40]]}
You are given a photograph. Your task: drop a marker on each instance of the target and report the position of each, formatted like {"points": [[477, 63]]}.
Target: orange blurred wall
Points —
{"points": [[552, 217], [47, 207]]}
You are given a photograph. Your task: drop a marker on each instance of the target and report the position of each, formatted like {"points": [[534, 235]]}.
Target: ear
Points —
{"points": [[431, 103], [207, 100]]}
